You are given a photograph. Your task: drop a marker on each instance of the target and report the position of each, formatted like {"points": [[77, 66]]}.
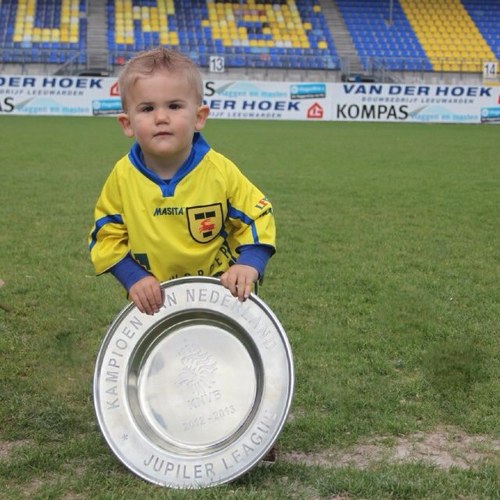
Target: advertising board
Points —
{"points": [[257, 100]]}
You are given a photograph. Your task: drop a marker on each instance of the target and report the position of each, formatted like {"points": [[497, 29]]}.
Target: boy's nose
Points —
{"points": [[161, 115]]}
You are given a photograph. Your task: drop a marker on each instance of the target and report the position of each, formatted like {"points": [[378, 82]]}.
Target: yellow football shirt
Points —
{"points": [[192, 224]]}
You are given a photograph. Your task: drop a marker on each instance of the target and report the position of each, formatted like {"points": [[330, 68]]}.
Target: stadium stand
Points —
{"points": [[486, 16], [50, 31], [449, 36], [423, 34], [395, 35], [252, 33], [383, 34]]}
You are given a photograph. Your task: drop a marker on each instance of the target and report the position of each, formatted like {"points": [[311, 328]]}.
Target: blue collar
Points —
{"points": [[198, 151]]}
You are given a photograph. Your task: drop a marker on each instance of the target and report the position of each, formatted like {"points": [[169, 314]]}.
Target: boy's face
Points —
{"points": [[163, 114]]}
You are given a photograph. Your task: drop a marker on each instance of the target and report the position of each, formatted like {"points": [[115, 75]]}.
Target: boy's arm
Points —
{"points": [[109, 251], [239, 279], [108, 239], [143, 288], [256, 256], [128, 272], [251, 217]]}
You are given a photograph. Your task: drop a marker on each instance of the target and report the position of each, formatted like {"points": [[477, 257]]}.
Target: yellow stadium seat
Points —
{"points": [[448, 22]]}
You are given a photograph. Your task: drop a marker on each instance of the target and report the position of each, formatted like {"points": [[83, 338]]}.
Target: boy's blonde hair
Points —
{"points": [[148, 62]]}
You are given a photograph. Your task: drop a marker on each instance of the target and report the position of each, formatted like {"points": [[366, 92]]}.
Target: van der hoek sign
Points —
{"points": [[197, 394]]}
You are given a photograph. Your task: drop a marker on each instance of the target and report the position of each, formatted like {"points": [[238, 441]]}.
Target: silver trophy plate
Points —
{"points": [[197, 394]]}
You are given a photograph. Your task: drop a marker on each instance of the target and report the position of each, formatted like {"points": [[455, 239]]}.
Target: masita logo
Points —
{"points": [[168, 211]]}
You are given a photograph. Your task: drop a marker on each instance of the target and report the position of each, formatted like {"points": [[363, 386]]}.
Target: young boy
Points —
{"points": [[173, 206]]}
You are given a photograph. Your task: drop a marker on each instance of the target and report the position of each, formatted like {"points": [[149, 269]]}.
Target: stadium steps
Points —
{"points": [[341, 37], [447, 34], [97, 49]]}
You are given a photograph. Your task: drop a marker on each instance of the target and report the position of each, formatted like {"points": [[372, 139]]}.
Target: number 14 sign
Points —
{"points": [[490, 70]]}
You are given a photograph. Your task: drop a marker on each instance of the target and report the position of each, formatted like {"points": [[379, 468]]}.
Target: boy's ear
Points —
{"points": [[124, 122], [201, 116]]}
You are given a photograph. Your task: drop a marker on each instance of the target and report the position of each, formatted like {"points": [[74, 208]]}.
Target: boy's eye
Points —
{"points": [[175, 105], [147, 109]]}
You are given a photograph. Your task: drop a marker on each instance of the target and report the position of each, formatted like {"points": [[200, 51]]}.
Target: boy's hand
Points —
{"points": [[239, 280], [146, 295]]}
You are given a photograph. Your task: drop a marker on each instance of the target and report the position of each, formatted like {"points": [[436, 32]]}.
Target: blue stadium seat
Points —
{"points": [[222, 27], [257, 35], [374, 37], [42, 32], [486, 16]]}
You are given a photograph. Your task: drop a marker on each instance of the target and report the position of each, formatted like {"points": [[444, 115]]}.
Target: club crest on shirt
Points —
{"points": [[205, 222]]}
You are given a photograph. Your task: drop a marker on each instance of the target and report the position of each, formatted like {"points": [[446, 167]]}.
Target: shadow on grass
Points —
{"points": [[454, 367]]}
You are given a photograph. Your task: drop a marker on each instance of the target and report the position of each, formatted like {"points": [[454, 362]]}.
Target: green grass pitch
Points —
{"points": [[386, 280]]}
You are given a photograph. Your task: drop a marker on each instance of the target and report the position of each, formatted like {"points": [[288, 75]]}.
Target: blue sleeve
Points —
{"points": [[128, 272], [256, 256]]}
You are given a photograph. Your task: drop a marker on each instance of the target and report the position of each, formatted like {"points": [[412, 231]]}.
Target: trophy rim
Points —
{"points": [[226, 328]]}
